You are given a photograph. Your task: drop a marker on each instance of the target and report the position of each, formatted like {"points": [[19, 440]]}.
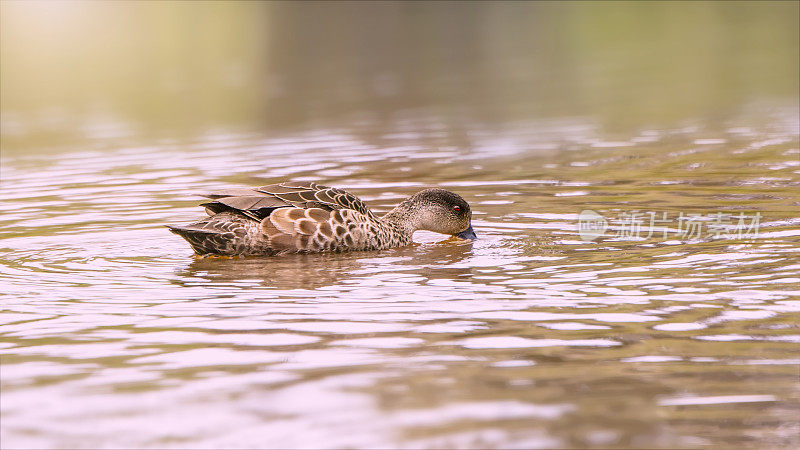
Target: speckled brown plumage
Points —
{"points": [[307, 218]]}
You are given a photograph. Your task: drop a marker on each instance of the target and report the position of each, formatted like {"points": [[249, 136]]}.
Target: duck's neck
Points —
{"points": [[402, 218]]}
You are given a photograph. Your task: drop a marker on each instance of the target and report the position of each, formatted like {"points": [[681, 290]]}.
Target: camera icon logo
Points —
{"points": [[591, 225]]}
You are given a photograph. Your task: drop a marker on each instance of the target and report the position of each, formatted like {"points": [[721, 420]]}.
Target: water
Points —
{"points": [[115, 335]]}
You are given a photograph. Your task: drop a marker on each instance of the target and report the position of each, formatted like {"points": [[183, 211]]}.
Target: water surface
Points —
{"points": [[114, 334]]}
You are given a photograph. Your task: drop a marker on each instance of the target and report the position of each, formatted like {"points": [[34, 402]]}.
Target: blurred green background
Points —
{"points": [[77, 68]]}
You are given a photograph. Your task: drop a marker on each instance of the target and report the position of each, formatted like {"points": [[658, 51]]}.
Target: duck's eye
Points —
{"points": [[457, 208]]}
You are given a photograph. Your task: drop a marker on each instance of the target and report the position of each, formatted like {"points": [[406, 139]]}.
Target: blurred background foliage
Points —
{"points": [[115, 68]]}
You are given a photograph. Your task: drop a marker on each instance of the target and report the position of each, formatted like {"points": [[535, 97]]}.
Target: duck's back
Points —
{"points": [[287, 218]]}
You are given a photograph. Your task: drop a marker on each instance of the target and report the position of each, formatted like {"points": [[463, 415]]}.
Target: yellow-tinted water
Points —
{"points": [[114, 335]]}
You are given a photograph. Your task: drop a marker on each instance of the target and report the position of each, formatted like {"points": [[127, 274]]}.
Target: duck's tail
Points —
{"points": [[203, 241]]}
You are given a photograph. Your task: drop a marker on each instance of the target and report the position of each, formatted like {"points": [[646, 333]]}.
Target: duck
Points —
{"points": [[306, 217]]}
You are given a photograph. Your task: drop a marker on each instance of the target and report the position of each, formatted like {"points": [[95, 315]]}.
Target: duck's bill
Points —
{"points": [[469, 233]]}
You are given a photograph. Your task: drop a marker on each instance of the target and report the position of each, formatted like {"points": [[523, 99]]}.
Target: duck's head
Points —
{"points": [[443, 212]]}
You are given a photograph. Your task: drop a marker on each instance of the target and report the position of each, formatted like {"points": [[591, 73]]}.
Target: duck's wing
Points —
{"points": [[260, 202], [313, 195], [248, 202]]}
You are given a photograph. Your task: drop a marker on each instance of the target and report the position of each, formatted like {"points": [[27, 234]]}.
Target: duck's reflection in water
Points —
{"points": [[318, 270]]}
